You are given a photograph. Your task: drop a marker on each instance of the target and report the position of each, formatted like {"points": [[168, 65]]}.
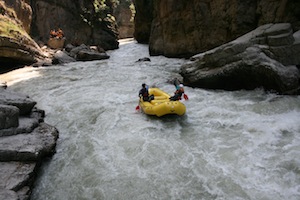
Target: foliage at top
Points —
{"points": [[10, 26], [97, 11]]}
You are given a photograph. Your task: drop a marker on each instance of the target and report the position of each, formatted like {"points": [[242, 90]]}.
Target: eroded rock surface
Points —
{"points": [[25, 141], [180, 28], [266, 57]]}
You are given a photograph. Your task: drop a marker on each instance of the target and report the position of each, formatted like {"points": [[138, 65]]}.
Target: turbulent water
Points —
{"points": [[229, 145]]}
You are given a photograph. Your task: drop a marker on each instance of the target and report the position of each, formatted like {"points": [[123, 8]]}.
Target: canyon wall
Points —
{"points": [[182, 28], [83, 22], [26, 22]]}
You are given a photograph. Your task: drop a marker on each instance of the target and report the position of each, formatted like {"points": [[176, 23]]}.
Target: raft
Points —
{"points": [[161, 105]]}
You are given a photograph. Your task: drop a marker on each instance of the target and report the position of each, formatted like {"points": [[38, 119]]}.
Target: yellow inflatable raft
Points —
{"points": [[161, 105]]}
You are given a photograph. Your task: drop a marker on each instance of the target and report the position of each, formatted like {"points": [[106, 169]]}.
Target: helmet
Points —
{"points": [[143, 85], [180, 85]]}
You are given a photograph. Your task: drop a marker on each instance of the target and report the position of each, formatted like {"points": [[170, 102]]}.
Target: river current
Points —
{"points": [[228, 145]]}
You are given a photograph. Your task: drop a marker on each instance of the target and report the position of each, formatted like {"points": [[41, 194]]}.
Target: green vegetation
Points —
{"points": [[102, 10], [97, 13], [11, 27]]}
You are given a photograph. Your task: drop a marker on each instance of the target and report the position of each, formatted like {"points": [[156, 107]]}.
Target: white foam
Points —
{"points": [[229, 145]]}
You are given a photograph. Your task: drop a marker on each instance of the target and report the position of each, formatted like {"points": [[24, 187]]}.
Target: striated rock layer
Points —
{"points": [[25, 141], [266, 57], [16, 46]]}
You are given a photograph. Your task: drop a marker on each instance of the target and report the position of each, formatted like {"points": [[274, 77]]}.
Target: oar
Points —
{"points": [[137, 107]]}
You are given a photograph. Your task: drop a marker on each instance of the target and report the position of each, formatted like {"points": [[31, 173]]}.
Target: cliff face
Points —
{"points": [[16, 46], [23, 11], [82, 22], [182, 28], [266, 57], [124, 13], [143, 19]]}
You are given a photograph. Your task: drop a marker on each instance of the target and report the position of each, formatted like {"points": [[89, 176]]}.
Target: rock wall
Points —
{"points": [[143, 20], [181, 28], [23, 11], [16, 45], [124, 14], [77, 19]]}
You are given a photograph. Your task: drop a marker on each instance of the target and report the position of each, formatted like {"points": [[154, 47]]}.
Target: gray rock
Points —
{"points": [[24, 142], [8, 195], [61, 57], [88, 55], [16, 179], [143, 59], [74, 51], [9, 116], [27, 125], [29, 147], [23, 102], [15, 175], [69, 47], [265, 57]]}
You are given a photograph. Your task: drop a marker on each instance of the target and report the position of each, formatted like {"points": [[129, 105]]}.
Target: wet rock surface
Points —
{"points": [[25, 142]]}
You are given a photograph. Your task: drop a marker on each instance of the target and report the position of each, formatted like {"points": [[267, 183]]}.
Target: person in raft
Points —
{"points": [[145, 94], [178, 93]]}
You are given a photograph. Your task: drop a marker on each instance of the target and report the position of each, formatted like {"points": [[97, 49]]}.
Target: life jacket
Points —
{"points": [[145, 92], [180, 91]]}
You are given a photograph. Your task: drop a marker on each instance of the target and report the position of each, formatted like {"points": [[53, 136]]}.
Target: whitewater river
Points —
{"points": [[229, 145]]}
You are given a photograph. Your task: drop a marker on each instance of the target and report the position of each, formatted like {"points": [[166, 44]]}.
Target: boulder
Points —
{"points": [[265, 57], [30, 146], [88, 55], [24, 103], [144, 59], [61, 57], [9, 116], [16, 176]]}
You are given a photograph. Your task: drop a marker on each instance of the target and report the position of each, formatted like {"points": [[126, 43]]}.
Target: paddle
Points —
{"points": [[137, 108], [185, 97]]}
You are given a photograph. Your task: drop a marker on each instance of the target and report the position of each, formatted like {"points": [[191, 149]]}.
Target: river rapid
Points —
{"points": [[228, 145]]}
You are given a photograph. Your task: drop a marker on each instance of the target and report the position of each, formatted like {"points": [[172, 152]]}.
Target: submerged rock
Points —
{"points": [[143, 59], [266, 57]]}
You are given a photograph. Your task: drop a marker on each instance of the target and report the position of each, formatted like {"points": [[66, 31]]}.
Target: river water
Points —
{"points": [[229, 145]]}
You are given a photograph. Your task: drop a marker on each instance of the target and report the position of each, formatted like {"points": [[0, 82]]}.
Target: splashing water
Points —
{"points": [[229, 145]]}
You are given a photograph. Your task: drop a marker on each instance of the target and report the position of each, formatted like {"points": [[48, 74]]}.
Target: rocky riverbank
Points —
{"points": [[26, 141]]}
